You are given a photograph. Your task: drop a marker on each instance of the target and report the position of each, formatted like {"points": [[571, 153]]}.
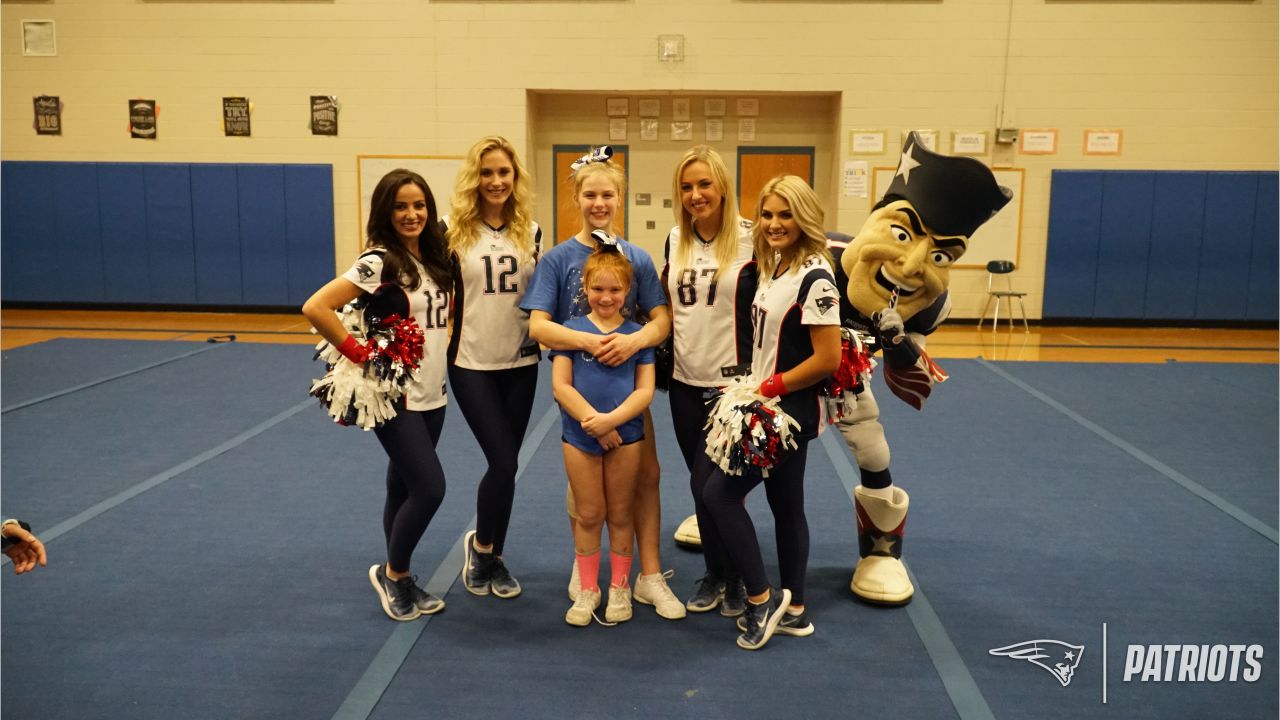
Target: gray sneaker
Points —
{"points": [[735, 598], [708, 595], [396, 596], [476, 566], [426, 603], [500, 580], [793, 625]]}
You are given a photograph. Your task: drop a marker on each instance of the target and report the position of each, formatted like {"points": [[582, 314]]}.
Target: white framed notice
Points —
{"points": [[440, 171], [682, 130], [715, 129], [748, 107], [617, 107], [1039, 141], [713, 107], [650, 107], [648, 129], [679, 109], [1103, 142], [969, 143], [866, 142], [39, 38], [747, 130], [928, 138], [617, 129]]}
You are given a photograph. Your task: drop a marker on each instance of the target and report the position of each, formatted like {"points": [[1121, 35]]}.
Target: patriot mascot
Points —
{"points": [[895, 275]]}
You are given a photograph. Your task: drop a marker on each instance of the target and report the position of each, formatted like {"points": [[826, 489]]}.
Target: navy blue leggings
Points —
{"points": [[496, 404], [415, 480], [784, 488], [689, 412]]}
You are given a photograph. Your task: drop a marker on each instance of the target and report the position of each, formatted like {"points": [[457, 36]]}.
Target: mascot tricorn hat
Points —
{"points": [[954, 195]]}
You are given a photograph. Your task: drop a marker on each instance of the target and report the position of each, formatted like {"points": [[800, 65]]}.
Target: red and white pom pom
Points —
{"points": [[854, 373], [366, 394], [746, 429]]}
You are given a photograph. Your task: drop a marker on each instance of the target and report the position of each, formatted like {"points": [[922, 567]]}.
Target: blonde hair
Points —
{"points": [[807, 211], [725, 241], [608, 168], [464, 212]]}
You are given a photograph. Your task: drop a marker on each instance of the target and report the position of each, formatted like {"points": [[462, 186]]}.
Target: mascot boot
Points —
{"points": [[880, 576], [687, 535]]}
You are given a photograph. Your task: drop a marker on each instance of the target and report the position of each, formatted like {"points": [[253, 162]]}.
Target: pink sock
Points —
{"points": [[619, 569], [589, 571]]}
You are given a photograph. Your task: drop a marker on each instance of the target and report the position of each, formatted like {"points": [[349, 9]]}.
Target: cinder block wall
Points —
{"points": [[1193, 85]]}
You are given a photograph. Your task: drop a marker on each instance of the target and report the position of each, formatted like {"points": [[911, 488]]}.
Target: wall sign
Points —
{"points": [[142, 119], [324, 115], [48, 110], [235, 116]]}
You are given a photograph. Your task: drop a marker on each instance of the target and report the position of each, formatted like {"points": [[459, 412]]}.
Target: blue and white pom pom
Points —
{"points": [[746, 429]]}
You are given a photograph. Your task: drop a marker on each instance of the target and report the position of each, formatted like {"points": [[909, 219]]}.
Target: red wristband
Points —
{"points": [[773, 387], [353, 350]]}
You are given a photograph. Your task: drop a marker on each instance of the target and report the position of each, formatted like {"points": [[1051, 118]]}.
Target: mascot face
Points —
{"points": [[894, 250]]}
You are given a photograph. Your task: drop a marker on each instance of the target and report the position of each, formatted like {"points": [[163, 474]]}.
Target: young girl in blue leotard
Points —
{"points": [[601, 409]]}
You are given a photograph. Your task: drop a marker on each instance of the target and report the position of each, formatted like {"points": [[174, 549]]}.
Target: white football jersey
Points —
{"points": [[490, 331], [430, 307], [783, 308], [710, 310]]}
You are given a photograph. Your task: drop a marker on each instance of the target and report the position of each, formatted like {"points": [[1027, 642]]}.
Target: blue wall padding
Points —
{"points": [[1173, 264], [1264, 265], [122, 205], [77, 232], [170, 247], [1166, 245], [31, 255], [308, 192], [166, 233], [1230, 204], [1123, 244], [1075, 216], [215, 222], [263, 265]]}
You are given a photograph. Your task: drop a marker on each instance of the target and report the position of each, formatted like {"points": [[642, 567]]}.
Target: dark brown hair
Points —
{"points": [[397, 263]]}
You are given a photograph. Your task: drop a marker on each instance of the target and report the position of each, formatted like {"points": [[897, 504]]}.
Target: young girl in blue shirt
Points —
{"points": [[602, 408]]}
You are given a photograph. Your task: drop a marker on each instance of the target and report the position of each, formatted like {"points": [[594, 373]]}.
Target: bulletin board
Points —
{"points": [[440, 172], [1000, 238]]}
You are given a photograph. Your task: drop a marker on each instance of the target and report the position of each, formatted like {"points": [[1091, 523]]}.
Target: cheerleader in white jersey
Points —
{"points": [[796, 330], [493, 364], [404, 248], [555, 296], [710, 279]]}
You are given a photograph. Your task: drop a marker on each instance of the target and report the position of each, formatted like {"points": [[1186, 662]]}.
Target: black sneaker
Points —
{"points": [[396, 595], [794, 625], [426, 603], [708, 595], [762, 620], [500, 580], [735, 599], [476, 566]]}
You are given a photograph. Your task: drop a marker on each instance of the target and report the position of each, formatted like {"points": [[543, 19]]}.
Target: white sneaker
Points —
{"points": [[575, 582], [583, 607], [619, 607], [653, 590]]}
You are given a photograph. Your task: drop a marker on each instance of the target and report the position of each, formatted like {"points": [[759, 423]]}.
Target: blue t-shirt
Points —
{"points": [[556, 287], [603, 387]]}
